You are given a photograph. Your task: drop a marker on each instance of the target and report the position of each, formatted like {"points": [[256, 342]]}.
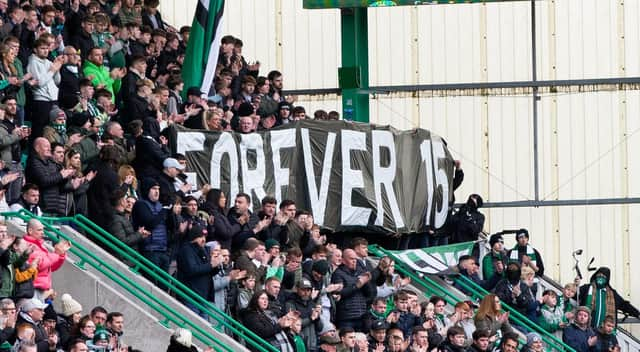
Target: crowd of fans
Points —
{"points": [[88, 89]]}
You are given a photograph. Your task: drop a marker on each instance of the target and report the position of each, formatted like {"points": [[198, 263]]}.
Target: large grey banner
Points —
{"points": [[351, 176]]}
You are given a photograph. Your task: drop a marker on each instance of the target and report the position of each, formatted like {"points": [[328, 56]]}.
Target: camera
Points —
{"points": [[182, 177]]}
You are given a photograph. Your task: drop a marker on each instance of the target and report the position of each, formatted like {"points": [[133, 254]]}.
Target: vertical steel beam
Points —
{"points": [[624, 157], [534, 78], [278, 5], [554, 143], [415, 66], [484, 110]]}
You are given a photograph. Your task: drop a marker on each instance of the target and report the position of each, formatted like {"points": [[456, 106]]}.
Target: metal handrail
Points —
{"points": [[140, 263], [476, 292], [88, 257]]}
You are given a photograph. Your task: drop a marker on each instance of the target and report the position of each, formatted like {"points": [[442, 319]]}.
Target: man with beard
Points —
{"points": [[100, 77], [304, 302]]}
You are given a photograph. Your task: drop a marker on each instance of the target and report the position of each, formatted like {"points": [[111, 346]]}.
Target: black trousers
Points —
{"points": [[39, 115]]}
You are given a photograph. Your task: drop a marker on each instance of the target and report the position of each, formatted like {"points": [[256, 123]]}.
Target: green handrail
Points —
{"points": [[141, 263], [427, 283], [477, 293], [88, 257], [480, 292]]}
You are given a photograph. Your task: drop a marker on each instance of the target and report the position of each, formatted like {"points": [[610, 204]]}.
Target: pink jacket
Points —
{"points": [[49, 262]]}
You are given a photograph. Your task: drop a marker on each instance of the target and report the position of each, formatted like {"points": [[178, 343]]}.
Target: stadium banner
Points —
{"points": [[434, 260], [351, 176]]}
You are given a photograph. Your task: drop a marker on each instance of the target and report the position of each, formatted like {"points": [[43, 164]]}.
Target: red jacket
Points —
{"points": [[49, 262]]}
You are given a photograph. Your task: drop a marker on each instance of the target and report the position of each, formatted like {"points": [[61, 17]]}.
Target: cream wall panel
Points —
{"points": [[389, 46]]}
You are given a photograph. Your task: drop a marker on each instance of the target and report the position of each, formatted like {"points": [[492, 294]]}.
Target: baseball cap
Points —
{"points": [[171, 162], [305, 283]]}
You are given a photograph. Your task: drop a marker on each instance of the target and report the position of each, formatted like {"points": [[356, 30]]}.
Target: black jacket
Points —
{"points": [[520, 303], [168, 191], [149, 157], [467, 224], [69, 85], [46, 174], [102, 188], [82, 41], [353, 300], [224, 229], [136, 108], [128, 88], [195, 270]]}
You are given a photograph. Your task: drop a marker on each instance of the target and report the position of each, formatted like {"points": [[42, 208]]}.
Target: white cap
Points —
{"points": [[171, 162]]}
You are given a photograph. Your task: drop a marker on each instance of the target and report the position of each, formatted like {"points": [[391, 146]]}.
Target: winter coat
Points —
{"points": [[49, 262], [406, 322], [100, 191], [467, 224], [7, 142], [522, 303], [605, 341], [263, 324], [576, 337], [46, 174], [149, 157], [121, 227], [620, 303], [69, 84], [223, 229], [493, 325], [353, 300], [195, 270], [137, 108], [310, 328]]}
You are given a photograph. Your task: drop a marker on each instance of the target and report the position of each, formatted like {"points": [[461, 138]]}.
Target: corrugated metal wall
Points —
{"points": [[586, 139]]}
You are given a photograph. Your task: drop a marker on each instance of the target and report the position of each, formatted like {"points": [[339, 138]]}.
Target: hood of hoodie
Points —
{"points": [[604, 271]]}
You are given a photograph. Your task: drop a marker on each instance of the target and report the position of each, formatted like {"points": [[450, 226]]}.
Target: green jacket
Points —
{"points": [[6, 273], [101, 76]]}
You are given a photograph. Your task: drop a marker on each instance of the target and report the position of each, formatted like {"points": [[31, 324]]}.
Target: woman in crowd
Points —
{"points": [[491, 317], [265, 324], [215, 205], [85, 329], [79, 182], [128, 180]]}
